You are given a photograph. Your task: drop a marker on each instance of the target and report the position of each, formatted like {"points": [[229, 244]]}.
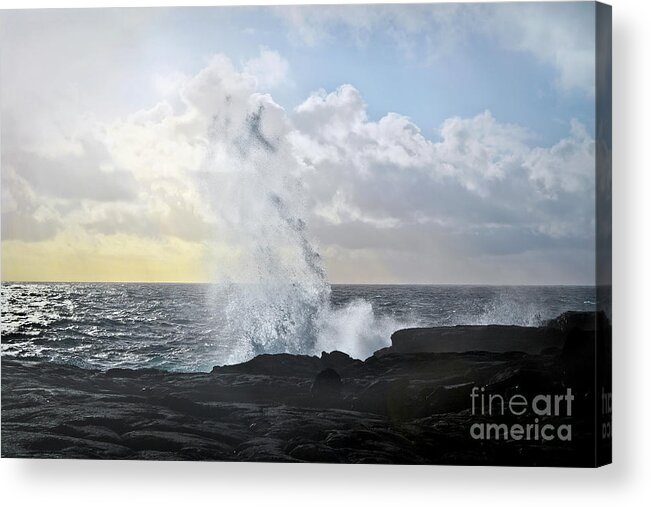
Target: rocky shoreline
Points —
{"points": [[409, 403]]}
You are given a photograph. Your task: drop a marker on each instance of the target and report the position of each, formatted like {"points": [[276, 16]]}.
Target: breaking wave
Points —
{"points": [[278, 296]]}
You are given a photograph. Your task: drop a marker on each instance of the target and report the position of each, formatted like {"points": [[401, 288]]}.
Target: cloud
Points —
{"points": [[137, 173], [204, 169], [479, 150], [319, 25], [24, 215], [269, 69], [168, 173], [481, 189], [477, 153], [65, 69], [558, 35], [89, 174], [568, 166], [561, 36]]}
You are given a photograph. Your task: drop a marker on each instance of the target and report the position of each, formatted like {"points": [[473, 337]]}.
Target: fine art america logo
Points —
{"points": [[533, 409]]}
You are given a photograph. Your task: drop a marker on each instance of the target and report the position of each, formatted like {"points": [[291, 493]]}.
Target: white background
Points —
{"points": [[626, 482]]}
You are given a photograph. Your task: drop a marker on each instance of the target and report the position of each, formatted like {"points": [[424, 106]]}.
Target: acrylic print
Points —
{"points": [[343, 234]]}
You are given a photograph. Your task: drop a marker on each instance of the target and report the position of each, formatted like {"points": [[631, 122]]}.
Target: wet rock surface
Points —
{"points": [[402, 405]]}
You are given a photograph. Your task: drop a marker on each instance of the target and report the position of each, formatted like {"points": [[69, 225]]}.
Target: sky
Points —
{"points": [[443, 143]]}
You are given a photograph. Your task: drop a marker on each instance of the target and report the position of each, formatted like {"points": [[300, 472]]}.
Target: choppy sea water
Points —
{"points": [[182, 327]]}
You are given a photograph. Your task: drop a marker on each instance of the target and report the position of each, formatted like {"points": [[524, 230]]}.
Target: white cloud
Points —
{"points": [[333, 129], [137, 174], [561, 36], [556, 34], [477, 150], [568, 166], [269, 69], [58, 75], [481, 189], [216, 161]]}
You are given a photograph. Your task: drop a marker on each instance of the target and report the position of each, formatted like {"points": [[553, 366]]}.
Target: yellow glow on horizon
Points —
{"points": [[110, 258], [77, 256]]}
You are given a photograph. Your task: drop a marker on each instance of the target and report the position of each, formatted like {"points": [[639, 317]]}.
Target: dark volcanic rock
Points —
{"points": [[327, 384], [318, 453], [389, 397], [585, 321], [445, 399], [338, 360], [287, 365], [531, 340], [409, 403]]}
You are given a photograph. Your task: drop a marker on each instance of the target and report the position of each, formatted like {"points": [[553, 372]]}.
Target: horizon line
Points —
{"points": [[441, 284]]}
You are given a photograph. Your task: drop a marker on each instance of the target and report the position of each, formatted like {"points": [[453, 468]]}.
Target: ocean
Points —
{"points": [[188, 327]]}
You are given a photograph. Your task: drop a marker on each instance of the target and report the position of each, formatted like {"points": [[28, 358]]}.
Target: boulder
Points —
{"points": [[337, 360], [327, 384]]}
